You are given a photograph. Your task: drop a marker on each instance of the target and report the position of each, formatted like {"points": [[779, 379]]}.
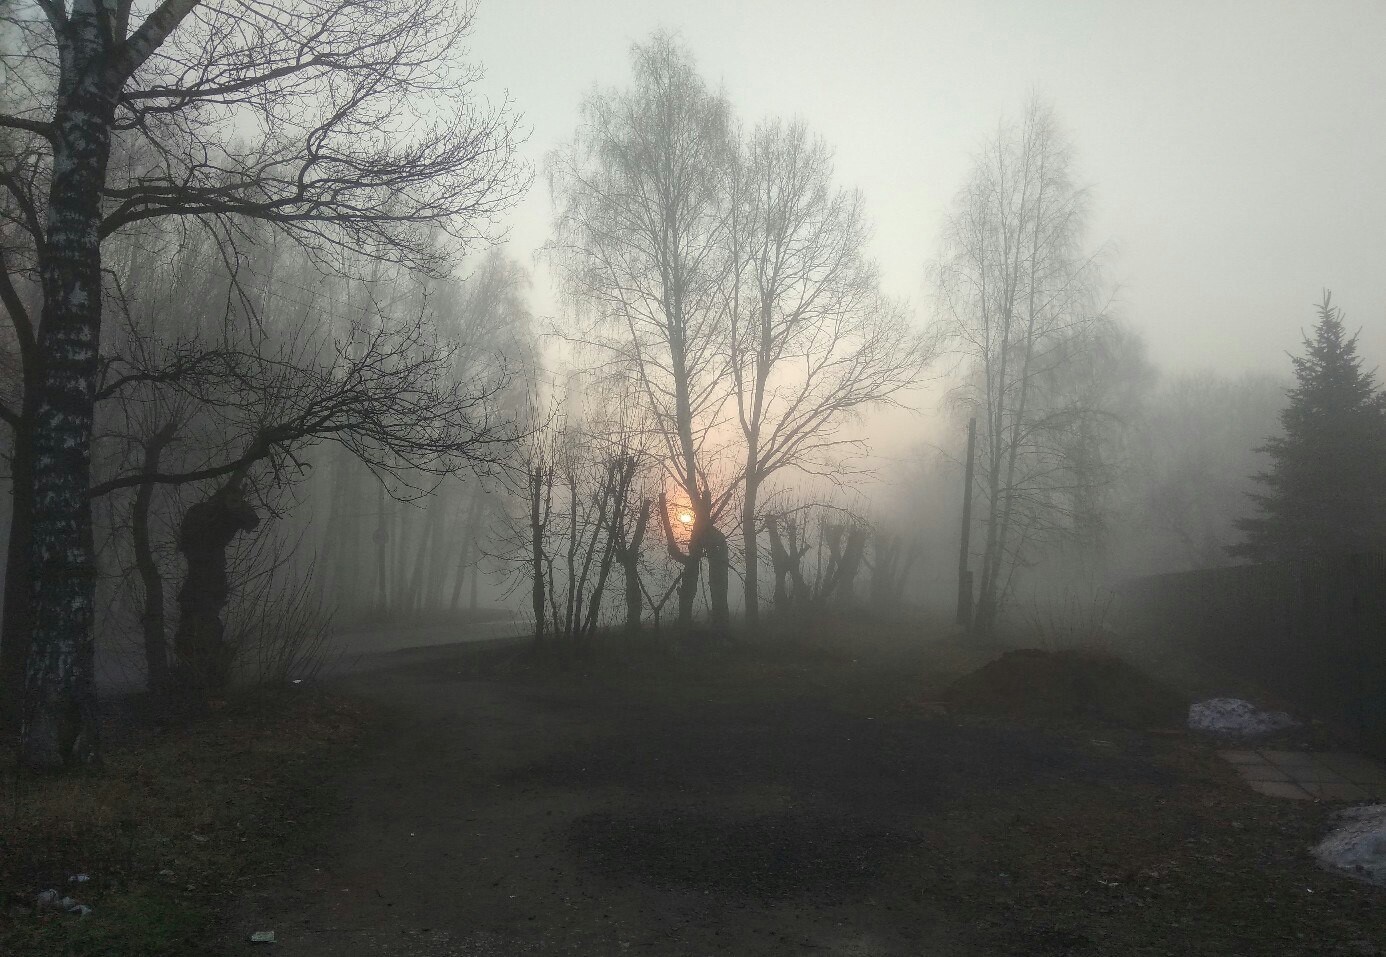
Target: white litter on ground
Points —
{"points": [[1358, 845], [1235, 716]]}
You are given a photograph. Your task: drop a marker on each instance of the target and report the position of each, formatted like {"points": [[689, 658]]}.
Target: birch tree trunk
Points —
{"points": [[60, 721], [255, 61]]}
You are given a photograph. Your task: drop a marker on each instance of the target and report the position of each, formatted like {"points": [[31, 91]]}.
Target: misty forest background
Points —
{"points": [[322, 398]]}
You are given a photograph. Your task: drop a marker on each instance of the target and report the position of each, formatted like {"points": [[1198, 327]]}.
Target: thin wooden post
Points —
{"points": [[964, 573]]}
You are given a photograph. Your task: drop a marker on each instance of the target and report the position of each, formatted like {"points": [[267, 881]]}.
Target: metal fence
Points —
{"points": [[1312, 632]]}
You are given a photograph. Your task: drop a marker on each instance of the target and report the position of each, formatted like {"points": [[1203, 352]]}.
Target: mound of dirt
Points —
{"points": [[1067, 685]]}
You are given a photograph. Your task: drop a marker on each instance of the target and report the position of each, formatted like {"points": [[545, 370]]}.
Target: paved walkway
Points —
{"points": [[1310, 775]]}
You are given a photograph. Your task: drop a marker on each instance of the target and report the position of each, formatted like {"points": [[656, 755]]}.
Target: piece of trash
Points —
{"points": [[67, 903], [298, 681], [46, 899], [1357, 847], [79, 878], [262, 937], [1235, 716], [165, 872], [81, 910], [200, 838]]}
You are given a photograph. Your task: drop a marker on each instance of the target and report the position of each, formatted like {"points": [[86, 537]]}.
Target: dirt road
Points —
{"points": [[778, 804]]}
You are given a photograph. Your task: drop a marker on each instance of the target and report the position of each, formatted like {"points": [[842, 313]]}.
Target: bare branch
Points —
{"points": [[27, 125]]}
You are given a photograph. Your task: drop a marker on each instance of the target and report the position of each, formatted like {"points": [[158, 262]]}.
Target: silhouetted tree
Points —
{"points": [[642, 223], [1325, 490], [204, 658], [576, 511], [812, 342], [346, 125], [726, 275]]}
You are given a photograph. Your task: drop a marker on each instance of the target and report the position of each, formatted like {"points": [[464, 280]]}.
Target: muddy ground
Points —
{"points": [[796, 796]]}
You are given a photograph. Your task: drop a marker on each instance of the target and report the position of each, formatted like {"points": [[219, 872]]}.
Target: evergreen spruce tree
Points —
{"points": [[1325, 491]]}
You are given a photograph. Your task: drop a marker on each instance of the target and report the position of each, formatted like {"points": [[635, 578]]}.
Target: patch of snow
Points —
{"points": [[1235, 716], [1357, 847]]}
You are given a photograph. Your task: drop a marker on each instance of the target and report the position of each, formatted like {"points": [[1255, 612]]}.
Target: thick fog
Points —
{"points": [[474, 423], [1230, 170], [704, 477], [1233, 149]]}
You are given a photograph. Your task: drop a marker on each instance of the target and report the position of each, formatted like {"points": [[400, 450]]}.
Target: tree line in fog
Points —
{"points": [[266, 373]]}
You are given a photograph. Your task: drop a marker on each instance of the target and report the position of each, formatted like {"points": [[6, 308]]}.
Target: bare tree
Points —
{"points": [[577, 488], [363, 134], [727, 280], [207, 529], [243, 418], [1093, 404], [893, 558], [386, 394], [628, 531], [427, 549], [641, 245], [152, 619], [619, 442], [817, 550], [1015, 290], [811, 341]]}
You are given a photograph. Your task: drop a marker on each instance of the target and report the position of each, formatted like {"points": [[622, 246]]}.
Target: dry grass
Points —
{"points": [[175, 821]]}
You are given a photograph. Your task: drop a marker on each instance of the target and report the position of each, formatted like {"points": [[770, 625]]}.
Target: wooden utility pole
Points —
{"points": [[964, 573]]}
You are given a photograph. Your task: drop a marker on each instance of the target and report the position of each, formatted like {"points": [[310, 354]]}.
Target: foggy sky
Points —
{"points": [[1236, 149]]}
